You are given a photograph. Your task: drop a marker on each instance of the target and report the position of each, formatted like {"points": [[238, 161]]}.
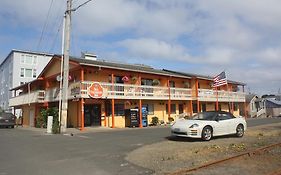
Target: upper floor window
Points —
{"points": [[28, 59], [35, 60], [28, 72], [22, 72], [22, 58], [34, 73], [146, 82]]}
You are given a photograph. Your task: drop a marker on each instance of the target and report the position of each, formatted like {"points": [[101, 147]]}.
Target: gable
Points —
{"points": [[54, 67]]}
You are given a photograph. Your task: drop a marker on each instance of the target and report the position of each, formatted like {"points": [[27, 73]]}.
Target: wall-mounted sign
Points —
{"points": [[95, 90]]}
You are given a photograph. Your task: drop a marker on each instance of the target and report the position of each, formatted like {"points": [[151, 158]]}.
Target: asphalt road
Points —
{"points": [[28, 152]]}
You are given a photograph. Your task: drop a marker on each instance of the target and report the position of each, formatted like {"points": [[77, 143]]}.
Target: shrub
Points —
{"points": [[170, 119], [155, 120], [41, 121]]}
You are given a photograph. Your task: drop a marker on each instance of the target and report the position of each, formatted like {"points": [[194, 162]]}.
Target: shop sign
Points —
{"points": [[75, 89], [95, 90]]}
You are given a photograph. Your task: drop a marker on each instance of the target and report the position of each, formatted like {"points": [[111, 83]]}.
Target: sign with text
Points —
{"points": [[95, 90]]}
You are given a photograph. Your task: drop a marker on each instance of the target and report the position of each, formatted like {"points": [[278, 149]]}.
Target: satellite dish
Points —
{"points": [[58, 78]]}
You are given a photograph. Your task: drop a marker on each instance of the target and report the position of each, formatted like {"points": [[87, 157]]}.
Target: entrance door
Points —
{"points": [[92, 115]]}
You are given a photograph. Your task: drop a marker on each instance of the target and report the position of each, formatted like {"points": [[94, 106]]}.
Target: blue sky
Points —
{"points": [[204, 37]]}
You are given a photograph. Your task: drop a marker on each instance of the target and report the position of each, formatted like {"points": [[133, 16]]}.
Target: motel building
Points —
{"points": [[100, 92]]}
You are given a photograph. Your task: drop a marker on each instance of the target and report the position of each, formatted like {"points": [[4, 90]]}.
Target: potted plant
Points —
{"points": [[155, 82], [134, 79], [186, 84]]}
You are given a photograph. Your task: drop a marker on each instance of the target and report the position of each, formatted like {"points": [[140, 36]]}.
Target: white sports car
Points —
{"points": [[205, 125]]}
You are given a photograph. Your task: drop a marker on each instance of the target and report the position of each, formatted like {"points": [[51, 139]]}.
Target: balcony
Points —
{"points": [[33, 97], [222, 96], [129, 91]]}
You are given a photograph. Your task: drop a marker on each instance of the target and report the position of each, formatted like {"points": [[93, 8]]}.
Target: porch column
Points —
{"points": [[232, 104], [47, 85], [191, 108], [82, 102], [169, 101], [140, 113], [245, 107], [112, 100], [197, 95]]}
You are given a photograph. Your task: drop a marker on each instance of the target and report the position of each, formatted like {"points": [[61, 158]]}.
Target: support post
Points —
{"points": [[112, 101], [82, 103], [197, 95], [140, 113], [245, 106], [169, 100], [191, 108]]}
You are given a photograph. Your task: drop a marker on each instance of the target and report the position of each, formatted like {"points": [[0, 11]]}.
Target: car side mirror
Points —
{"points": [[217, 119]]}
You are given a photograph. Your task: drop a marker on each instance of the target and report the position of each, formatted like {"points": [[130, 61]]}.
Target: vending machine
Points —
{"points": [[131, 118]]}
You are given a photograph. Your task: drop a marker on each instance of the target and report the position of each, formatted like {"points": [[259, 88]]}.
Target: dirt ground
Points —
{"points": [[183, 153]]}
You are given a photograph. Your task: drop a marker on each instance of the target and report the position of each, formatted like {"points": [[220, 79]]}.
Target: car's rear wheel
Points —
{"points": [[207, 133], [240, 131]]}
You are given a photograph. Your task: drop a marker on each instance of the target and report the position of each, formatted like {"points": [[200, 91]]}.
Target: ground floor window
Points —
{"points": [[149, 108], [173, 108], [119, 109], [180, 108], [194, 107], [204, 107]]}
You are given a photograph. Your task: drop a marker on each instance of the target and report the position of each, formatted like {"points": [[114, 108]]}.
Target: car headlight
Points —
{"points": [[194, 126]]}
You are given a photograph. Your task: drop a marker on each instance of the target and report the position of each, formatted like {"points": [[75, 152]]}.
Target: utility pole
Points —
{"points": [[66, 66]]}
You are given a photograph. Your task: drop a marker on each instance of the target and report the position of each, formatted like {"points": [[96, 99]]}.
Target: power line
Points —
{"points": [[81, 5], [44, 27]]}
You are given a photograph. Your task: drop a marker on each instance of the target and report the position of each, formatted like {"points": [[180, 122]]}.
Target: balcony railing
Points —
{"points": [[222, 96], [29, 98], [128, 91]]}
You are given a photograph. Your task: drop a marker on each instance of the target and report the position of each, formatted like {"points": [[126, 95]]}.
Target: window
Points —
{"points": [[34, 73], [118, 79], [118, 109], [35, 60], [146, 82], [180, 108], [28, 72], [225, 116], [173, 108], [149, 108], [194, 107], [203, 107], [22, 59], [172, 84], [21, 72], [28, 59]]}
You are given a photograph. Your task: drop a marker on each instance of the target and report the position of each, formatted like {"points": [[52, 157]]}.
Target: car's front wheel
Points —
{"points": [[240, 130], [207, 133]]}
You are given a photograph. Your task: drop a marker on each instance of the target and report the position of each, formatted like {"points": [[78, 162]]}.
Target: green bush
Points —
{"points": [[155, 121], [41, 121]]}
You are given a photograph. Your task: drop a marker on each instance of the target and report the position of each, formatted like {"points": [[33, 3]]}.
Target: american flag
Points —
{"points": [[220, 80]]}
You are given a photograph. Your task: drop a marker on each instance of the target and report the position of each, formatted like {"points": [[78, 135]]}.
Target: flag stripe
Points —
{"points": [[220, 80]]}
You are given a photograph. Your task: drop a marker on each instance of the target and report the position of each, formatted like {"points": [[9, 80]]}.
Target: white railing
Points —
{"points": [[129, 91], [222, 96], [261, 112], [29, 98]]}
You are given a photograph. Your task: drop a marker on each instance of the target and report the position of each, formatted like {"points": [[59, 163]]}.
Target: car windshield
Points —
{"points": [[204, 116]]}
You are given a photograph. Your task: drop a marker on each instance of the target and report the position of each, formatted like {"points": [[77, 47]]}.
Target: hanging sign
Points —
{"points": [[95, 90]]}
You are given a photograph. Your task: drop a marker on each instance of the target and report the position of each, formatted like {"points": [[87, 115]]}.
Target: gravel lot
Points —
{"points": [[182, 153]]}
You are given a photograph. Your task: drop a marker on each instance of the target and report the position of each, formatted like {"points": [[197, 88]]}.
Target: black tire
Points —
{"points": [[240, 130], [207, 133]]}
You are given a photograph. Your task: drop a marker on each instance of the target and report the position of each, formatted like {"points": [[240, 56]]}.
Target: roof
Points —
{"points": [[127, 67], [202, 77], [249, 97], [276, 102], [26, 52]]}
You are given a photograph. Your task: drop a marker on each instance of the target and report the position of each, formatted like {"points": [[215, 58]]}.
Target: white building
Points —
{"points": [[17, 68]]}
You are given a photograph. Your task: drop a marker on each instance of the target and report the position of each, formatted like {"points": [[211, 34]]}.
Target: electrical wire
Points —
{"points": [[44, 27]]}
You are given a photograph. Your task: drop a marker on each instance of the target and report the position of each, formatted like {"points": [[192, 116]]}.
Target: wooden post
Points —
{"points": [[191, 108], [197, 95], [112, 101], [82, 103], [140, 113], [217, 101], [169, 100], [245, 106]]}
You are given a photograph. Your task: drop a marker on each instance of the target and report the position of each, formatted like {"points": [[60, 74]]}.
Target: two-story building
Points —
{"points": [[100, 91]]}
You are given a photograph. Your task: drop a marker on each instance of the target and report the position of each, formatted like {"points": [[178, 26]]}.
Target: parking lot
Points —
{"points": [[27, 151]]}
